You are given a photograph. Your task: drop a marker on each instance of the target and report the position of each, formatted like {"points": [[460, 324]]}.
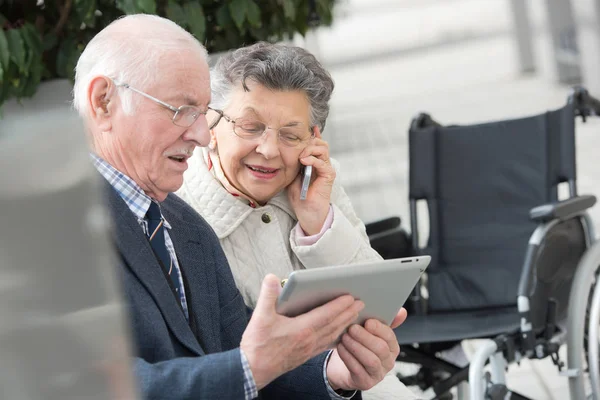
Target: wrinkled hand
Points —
{"points": [[275, 344], [364, 355], [313, 211]]}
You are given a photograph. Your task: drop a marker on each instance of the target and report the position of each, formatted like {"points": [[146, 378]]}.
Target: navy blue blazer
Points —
{"points": [[175, 359]]}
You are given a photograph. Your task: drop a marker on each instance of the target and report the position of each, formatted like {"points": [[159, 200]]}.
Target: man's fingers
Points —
{"points": [[370, 351], [353, 365], [329, 320], [324, 315], [383, 332], [400, 318], [377, 339], [269, 291], [332, 331]]}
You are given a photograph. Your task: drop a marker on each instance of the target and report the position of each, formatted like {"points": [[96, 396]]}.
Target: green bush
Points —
{"points": [[43, 39]]}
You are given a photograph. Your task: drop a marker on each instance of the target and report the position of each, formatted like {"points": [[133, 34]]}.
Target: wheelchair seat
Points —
{"points": [[455, 326]]}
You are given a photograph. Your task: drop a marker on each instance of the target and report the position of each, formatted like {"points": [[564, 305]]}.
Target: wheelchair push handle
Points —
{"points": [[585, 104]]}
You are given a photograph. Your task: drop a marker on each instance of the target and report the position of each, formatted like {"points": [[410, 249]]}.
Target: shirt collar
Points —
{"points": [[133, 195]]}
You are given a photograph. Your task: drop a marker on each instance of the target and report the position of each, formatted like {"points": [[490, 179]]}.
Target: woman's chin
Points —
{"points": [[261, 196], [261, 192]]}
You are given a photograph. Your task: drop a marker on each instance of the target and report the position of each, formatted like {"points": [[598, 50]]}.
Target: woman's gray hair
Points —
{"points": [[276, 67]]}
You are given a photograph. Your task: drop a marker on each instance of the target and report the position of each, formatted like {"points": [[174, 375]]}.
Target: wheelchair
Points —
{"points": [[512, 263]]}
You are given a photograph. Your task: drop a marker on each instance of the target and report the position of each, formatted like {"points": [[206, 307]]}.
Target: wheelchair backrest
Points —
{"points": [[480, 182]]}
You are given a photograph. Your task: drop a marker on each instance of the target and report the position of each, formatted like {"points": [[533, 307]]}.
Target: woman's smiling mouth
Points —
{"points": [[262, 172]]}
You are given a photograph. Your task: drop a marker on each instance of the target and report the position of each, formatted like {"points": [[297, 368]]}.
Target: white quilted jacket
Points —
{"points": [[254, 247]]}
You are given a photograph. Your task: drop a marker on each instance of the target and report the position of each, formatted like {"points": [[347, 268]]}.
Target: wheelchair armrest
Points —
{"points": [[561, 210], [383, 225], [394, 243]]}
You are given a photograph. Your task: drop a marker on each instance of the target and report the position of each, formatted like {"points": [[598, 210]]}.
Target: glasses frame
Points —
{"points": [[231, 120], [176, 110]]}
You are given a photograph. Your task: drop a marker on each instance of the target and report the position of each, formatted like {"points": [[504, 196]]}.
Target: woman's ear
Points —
{"points": [[212, 145], [99, 102]]}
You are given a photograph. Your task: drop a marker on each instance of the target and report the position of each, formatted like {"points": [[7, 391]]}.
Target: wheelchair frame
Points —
{"points": [[584, 299]]}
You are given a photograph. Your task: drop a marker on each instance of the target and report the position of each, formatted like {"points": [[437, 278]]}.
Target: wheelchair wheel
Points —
{"points": [[591, 340], [583, 312]]}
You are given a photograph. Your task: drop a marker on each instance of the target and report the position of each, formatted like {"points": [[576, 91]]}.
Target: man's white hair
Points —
{"points": [[130, 50]]}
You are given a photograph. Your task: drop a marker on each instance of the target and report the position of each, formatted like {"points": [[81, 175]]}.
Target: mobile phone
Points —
{"points": [[306, 174]]}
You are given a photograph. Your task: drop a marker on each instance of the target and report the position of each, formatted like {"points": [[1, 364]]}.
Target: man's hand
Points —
{"points": [[364, 355], [275, 344]]}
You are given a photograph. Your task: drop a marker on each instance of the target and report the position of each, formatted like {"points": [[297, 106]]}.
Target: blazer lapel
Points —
{"points": [[137, 254], [194, 258]]}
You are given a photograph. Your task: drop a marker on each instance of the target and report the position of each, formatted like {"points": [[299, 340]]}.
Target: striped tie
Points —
{"points": [[156, 236]]}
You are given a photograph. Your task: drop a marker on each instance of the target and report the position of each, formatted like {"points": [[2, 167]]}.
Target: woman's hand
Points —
{"points": [[312, 212]]}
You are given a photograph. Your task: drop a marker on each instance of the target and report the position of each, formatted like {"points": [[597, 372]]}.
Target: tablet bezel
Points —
{"points": [[384, 286]]}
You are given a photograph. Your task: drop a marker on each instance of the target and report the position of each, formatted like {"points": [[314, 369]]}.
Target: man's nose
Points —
{"points": [[268, 144], [198, 132]]}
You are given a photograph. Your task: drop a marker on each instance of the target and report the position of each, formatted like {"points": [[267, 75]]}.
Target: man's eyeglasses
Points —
{"points": [[183, 116], [290, 136]]}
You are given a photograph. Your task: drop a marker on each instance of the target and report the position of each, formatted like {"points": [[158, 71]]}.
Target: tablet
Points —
{"points": [[384, 286]]}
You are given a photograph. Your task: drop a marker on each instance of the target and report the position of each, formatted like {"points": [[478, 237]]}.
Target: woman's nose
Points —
{"points": [[268, 144]]}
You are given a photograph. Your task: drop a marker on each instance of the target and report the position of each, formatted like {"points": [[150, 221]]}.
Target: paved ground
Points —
{"points": [[385, 73]]}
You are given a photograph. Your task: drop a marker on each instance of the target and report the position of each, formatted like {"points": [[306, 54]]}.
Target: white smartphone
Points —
{"points": [[306, 175], [384, 286]]}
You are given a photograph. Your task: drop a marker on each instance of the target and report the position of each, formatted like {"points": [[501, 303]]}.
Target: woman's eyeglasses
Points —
{"points": [[290, 136]]}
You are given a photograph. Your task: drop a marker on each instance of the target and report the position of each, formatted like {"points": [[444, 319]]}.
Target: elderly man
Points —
{"points": [[142, 87]]}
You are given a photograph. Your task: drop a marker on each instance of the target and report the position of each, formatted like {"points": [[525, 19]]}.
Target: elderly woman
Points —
{"points": [[270, 105]]}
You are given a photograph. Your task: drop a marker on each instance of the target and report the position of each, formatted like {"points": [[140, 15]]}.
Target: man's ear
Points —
{"points": [[100, 102]]}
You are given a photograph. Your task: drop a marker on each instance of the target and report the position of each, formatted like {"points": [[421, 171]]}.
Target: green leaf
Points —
{"points": [[32, 84], [2, 20], [137, 6], [175, 13], [4, 52], [16, 48], [33, 47], [254, 14], [127, 6], [325, 9], [32, 38], [223, 17], [146, 6], [50, 40], [238, 9], [85, 11], [289, 9], [196, 20], [323, 5], [67, 57], [301, 23]]}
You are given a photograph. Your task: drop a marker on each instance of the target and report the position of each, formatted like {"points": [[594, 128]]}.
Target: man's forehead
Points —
{"points": [[190, 91], [185, 79], [187, 97]]}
